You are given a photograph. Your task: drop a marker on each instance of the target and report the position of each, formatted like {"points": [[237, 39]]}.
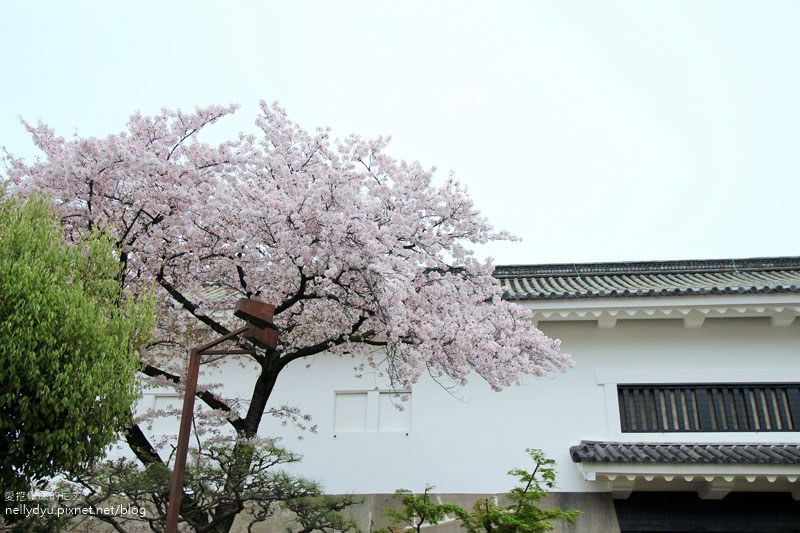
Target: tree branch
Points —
{"points": [[208, 398], [189, 306], [297, 296], [242, 280], [141, 447], [148, 455], [321, 346]]}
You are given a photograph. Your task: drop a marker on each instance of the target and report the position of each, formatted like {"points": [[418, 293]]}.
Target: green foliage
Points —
{"points": [[260, 488], [321, 513], [418, 510], [69, 345], [521, 515]]}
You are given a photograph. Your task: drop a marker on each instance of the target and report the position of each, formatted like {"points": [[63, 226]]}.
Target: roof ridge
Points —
{"points": [[649, 267], [754, 453]]}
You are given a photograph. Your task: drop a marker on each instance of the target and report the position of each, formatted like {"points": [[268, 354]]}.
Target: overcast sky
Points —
{"points": [[595, 131]]}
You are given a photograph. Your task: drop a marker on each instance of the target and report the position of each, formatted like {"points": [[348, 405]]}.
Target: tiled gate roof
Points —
{"points": [[659, 278], [676, 453]]}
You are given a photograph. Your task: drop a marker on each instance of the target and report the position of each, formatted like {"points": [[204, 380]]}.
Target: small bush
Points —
{"points": [[521, 515]]}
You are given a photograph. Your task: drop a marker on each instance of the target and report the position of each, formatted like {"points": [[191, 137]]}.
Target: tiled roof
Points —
{"points": [[676, 453], [652, 278]]}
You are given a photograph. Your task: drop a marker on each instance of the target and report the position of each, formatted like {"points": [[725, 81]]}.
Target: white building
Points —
{"points": [[681, 414]]}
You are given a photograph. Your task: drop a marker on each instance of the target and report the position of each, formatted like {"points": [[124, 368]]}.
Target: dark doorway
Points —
{"points": [[740, 512]]}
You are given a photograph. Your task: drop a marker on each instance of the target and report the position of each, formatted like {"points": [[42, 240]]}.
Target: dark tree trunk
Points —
{"points": [[225, 513]]}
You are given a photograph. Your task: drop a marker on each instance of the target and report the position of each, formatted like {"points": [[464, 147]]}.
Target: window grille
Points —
{"points": [[709, 407]]}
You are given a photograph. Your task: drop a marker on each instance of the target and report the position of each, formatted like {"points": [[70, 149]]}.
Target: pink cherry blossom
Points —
{"points": [[351, 245]]}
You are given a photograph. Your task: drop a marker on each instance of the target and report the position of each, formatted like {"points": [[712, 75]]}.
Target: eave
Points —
{"points": [[712, 470], [781, 309]]}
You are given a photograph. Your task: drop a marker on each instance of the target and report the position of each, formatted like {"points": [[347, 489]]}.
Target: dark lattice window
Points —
{"points": [[709, 407]]}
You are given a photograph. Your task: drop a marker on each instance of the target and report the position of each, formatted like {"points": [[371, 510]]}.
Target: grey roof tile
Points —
{"points": [[685, 453], [652, 278]]}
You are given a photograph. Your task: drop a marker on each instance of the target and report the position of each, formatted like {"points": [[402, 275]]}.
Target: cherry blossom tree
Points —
{"points": [[354, 248]]}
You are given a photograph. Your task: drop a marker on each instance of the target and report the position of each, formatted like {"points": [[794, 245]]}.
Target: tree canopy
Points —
{"points": [[353, 247], [69, 345]]}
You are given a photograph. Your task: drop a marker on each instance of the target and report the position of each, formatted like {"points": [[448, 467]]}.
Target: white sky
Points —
{"points": [[596, 131]]}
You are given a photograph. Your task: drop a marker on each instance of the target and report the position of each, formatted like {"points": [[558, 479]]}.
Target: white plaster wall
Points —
{"points": [[466, 440]]}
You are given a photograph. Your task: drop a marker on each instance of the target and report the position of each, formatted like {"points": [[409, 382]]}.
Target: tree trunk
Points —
{"points": [[225, 513]]}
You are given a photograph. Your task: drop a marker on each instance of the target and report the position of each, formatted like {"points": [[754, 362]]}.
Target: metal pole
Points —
{"points": [[176, 490], [255, 312]]}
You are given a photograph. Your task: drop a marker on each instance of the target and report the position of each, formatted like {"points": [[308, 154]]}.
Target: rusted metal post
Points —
{"points": [[176, 489], [261, 333], [179, 469]]}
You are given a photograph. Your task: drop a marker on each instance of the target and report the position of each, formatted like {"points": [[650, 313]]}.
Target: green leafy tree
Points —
{"points": [[418, 511], [264, 487], [321, 513], [521, 515], [69, 345]]}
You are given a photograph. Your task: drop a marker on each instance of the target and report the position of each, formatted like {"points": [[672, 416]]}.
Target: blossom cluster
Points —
{"points": [[350, 244]]}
